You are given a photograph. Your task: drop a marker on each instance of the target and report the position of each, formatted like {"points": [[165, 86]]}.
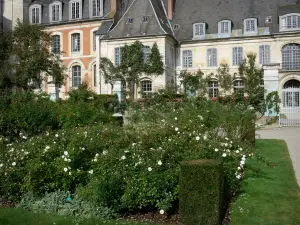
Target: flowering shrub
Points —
{"points": [[129, 168]]}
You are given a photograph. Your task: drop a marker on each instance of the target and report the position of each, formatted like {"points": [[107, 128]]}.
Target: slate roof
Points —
{"points": [[188, 12], [65, 13], [158, 23], [104, 27]]}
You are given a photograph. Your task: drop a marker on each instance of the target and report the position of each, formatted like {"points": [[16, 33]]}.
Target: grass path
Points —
{"points": [[271, 197]]}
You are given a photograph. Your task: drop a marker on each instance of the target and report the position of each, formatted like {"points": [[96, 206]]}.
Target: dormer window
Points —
{"points": [[129, 20], [145, 19], [96, 8], [199, 30], [35, 14], [224, 28], [75, 9], [250, 26], [55, 11], [289, 22]]}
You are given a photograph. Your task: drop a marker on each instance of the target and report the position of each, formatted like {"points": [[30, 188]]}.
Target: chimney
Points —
{"points": [[113, 6], [170, 9]]}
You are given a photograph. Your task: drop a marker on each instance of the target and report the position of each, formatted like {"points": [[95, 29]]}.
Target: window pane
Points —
{"points": [[187, 59], [94, 40], [117, 56], [264, 54], [95, 75], [146, 88], [213, 89], [291, 57], [56, 44], [76, 42], [76, 76], [237, 56], [239, 88], [211, 57], [146, 53], [96, 8]]}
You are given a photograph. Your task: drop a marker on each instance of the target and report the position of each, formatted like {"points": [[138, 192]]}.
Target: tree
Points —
{"points": [[5, 52], [193, 82], [133, 66], [31, 59], [224, 78]]}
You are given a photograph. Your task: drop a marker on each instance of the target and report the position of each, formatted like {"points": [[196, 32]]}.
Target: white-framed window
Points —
{"points": [[187, 59], [96, 8], [146, 53], [118, 56], [224, 28], [95, 74], [75, 42], [76, 76], [55, 11], [291, 57], [264, 54], [289, 22], [199, 30], [55, 44], [213, 88], [212, 57], [35, 14], [75, 9], [146, 88], [250, 26], [237, 56], [239, 87]]}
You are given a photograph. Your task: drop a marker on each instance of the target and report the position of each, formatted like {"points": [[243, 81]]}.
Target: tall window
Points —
{"points": [[75, 42], [237, 56], [187, 59], [199, 30], [212, 57], [35, 14], [118, 56], [291, 57], [94, 40], [289, 22], [55, 44], [146, 88], [76, 76], [264, 54], [75, 9], [239, 88], [213, 89], [146, 53], [250, 26], [95, 75], [96, 8], [55, 12]]}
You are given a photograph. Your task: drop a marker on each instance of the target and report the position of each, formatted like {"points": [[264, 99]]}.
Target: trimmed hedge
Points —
{"points": [[201, 192]]}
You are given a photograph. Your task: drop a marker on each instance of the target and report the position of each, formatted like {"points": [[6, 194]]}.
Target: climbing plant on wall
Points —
{"points": [[133, 66]]}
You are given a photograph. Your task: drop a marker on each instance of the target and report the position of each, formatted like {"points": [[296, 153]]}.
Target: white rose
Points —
{"points": [[216, 150], [176, 129], [204, 137], [149, 169], [175, 118], [123, 157], [197, 138], [91, 171], [237, 151], [161, 212], [56, 135], [1, 165], [159, 162], [14, 163], [65, 169], [224, 155], [66, 153]]}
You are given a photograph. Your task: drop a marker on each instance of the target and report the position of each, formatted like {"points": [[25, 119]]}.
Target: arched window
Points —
{"points": [[76, 76], [291, 57], [146, 88], [239, 88], [35, 14], [213, 89], [291, 93], [55, 11]]}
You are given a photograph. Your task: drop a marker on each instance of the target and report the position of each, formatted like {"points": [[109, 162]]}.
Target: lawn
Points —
{"points": [[271, 197], [10, 216]]}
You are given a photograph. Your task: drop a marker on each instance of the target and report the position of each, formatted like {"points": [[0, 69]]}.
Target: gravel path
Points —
{"points": [[291, 135]]}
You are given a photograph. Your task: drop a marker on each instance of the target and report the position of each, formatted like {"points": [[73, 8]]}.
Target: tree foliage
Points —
{"points": [[133, 65], [31, 59], [193, 82]]}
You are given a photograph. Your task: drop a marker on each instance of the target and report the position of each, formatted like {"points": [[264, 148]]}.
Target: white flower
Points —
{"points": [[13, 164], [69, 160], [159, 162], [216, 150], [175, 118], [238, 176], [104, 152], [66, 153], [237, 151], [226, 138], [242, 162], [240, 149], [176, 129], [24, 137], [239, 168], [161, 212], [95, 160], [204, 137], [149, 169], [47, 147], [200, 117], [65, 169], [97, 155], [91, 172], [56, 135], [133, 144], [225, 144], [1, 165], [65, 159], [63, 156], [123, 157], [224, 155], [197, 138], [70, 173]]}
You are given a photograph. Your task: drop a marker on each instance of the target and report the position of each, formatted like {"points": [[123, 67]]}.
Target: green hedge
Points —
{"points": [[201, 192]]}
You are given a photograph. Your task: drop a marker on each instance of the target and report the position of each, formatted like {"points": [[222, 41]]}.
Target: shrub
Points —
{"points": [[201, 192]]}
